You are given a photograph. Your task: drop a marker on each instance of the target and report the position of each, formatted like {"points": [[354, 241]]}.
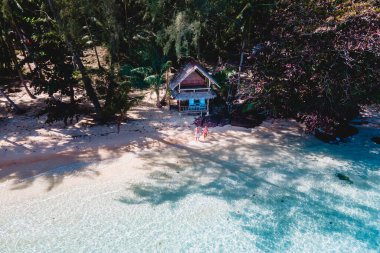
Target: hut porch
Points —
{"points": [[192, 89]]}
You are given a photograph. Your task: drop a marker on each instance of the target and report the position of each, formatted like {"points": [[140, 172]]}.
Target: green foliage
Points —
{"points": [[59, 111], [248, 107], [321, 65], [134, 76], [55, 72], [319, 60], [183, 33], [122, 101], [150, 76], [147, 77], [222, 77]]}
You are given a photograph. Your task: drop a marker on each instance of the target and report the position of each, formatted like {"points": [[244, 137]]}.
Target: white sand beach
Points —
{"points": [[84, 189], [31, 150]]}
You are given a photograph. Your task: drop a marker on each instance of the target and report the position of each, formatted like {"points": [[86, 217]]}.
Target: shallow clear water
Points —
{"points": [[240, 196]]}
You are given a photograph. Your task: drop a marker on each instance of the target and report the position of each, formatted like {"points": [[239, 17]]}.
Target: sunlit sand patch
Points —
{"points": [[153, 188]]}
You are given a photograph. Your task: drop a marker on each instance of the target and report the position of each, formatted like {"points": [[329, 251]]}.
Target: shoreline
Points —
{"points": [[23, 169], [32, 151], [159, 179]]}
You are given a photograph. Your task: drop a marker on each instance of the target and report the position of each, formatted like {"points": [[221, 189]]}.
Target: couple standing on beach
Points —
{"points": [[198, 132]]}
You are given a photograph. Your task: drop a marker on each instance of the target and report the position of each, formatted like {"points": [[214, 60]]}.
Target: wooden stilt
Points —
{"points": [[208, 107]]}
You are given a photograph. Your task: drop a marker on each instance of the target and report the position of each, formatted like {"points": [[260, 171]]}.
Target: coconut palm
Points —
{"points": [[152, 76]]}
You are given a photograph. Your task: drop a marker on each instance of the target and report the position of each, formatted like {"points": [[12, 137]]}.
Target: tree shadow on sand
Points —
{"points": [[60, 154], [281, 187]]}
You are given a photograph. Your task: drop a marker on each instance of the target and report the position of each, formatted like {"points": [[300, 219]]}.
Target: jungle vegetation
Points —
{"points": [[314, 60]]}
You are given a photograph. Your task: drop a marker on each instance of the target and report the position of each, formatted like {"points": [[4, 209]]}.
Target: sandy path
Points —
{"points": [[28, 147]]}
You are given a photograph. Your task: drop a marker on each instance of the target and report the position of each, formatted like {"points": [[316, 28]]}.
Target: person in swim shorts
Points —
{"points": [[197, 133]]}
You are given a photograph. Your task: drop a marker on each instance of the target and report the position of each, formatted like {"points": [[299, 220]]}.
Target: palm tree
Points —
{"points": [[153, 76], [76, 59], [157, 78], [6, 38]]}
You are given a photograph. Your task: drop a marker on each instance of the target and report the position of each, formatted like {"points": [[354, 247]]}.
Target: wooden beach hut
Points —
{"points": [[192, 88]]}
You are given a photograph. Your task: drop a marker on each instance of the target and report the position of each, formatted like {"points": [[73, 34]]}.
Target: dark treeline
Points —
{"points": [[316, 60]]}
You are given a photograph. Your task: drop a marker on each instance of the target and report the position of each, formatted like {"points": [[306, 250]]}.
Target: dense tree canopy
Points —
{"points": [[322, 61], [314, 60]]}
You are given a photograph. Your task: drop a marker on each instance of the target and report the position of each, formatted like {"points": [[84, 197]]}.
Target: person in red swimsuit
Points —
{"points": [[205, 132]]}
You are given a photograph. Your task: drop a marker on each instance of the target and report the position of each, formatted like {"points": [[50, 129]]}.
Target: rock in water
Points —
{"points": [[328, 138], [343, 177], [345, 131], [376, 139], [342, 134], [359, 122]]}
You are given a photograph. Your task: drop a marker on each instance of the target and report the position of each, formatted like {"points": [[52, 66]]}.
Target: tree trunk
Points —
{"points": [[96, 51], [25, 49], [87, 83], [15, 62], [24, 83], [111, 87], [16, 27], [240, 65], [72, 98], [97, 58], [77, 60], [112, 84], [26, 53], [25, 56], [52, 9], [163, 100], [17, 109], [158, 104]]}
